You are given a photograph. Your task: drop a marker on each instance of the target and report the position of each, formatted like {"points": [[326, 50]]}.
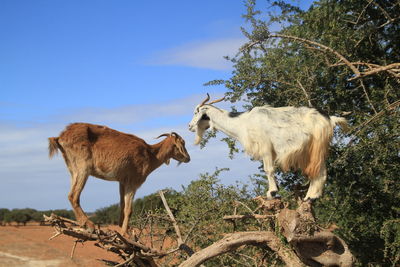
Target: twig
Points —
{"points": [[171, 216], [131, 257], [305, 92], [181, 245], [247, 216], [55, 235], [367, 96], [244, 205], [74, 246], [190, 231], [390, 107]]}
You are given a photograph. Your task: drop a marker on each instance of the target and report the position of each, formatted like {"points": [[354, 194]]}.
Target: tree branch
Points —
{"points": [[181, 244], [235, 240], [321, 46]]}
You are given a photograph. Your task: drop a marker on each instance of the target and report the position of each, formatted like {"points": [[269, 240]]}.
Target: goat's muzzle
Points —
{"points": [[185, 160]]}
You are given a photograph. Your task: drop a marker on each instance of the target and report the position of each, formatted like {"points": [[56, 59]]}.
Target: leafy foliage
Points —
{"points": [[107, 215]]}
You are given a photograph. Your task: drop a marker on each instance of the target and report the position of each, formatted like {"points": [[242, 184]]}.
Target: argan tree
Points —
{"points": [[343, 58]]}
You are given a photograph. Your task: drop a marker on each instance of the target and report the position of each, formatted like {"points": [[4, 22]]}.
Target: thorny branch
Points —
{"points": [[393, 69], [181, 244]]}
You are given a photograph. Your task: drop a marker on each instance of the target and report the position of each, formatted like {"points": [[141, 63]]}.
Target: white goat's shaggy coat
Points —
{"points": [[290, 137]]}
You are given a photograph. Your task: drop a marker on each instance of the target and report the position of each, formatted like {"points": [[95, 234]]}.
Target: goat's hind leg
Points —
{"points": [[78, 181], [317, 185], [269, 170], [121, 203]]}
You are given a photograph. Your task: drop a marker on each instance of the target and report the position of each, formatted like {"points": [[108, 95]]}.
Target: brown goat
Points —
{"points": [[114, 156]]}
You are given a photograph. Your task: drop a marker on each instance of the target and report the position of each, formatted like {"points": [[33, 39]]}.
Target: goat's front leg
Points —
{"points": [[269, 170], [129, 193], [317, 185], [78, 181]]}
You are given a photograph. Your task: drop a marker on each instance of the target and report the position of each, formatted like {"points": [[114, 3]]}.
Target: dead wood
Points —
{"points": [[314, 245], [297, 240], [233, 241], [128, 250]]}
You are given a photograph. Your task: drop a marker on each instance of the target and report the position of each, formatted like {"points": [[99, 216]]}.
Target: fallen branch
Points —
{"points": [[235, 240], [130, 251]]}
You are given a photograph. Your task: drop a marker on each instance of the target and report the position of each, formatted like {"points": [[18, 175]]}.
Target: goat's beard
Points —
{"points": [[202, 126], [199, 135]]}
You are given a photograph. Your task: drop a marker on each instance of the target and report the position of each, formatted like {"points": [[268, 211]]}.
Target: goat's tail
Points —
{"points": [[54, 146], [319, 145], [342, 122], [317, 151]]}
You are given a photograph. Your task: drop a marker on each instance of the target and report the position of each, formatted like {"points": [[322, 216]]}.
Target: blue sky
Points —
{"points": [[136, 66]]}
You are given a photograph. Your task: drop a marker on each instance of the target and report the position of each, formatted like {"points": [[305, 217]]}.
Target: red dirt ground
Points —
{"points": [[30, 246]]}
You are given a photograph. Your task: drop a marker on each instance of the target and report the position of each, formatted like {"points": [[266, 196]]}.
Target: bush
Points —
{"points": [[3, 213]]}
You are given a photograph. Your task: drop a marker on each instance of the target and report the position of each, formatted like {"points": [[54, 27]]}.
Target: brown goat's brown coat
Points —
{"points": [[108, 154]]}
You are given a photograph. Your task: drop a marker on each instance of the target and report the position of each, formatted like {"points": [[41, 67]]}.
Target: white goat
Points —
{"points": [[290, 137]]}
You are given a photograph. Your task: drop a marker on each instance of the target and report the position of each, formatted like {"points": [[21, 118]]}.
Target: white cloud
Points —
{"points": [[205, 54], [135, 113]]}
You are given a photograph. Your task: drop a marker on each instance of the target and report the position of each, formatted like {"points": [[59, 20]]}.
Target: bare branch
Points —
{"points": [[181, 244], [171, 216], [367, 96], [321, 46], [394, 67], [306, 94], [233, 241], [377, 115]]}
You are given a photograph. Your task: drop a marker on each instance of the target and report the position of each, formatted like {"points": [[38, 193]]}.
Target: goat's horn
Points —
{"points": [[175, 134], [216, 101], [163, 135], [205, 100]]}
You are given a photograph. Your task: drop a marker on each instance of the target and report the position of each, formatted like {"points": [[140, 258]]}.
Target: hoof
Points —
{"points": [[310, 200], [89, 226], [273, 195]]}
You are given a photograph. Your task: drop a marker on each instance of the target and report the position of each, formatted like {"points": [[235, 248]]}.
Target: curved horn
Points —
{"points": [[216, 101], [205, 100], [165, 134]]}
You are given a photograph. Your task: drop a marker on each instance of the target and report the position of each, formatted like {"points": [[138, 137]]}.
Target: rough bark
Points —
{"points": [[236, 240], [314, 246]]}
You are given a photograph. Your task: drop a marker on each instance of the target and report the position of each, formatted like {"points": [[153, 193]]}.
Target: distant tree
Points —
{"points": [[107, 215], [20, 216], [3, 213]]}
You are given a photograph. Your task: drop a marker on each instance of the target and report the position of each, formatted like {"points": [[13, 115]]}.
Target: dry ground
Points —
{"points": [[30, 246]]}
